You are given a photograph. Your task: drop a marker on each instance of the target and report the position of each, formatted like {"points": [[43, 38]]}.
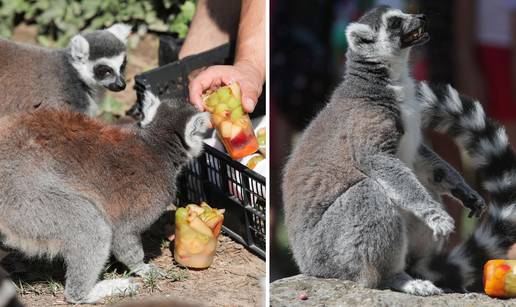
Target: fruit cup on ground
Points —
{"points": [[197, 231], [231, 122], [500, 278]]}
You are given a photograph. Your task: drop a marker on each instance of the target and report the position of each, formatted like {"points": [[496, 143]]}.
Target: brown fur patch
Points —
{"points": [[111, 165]]}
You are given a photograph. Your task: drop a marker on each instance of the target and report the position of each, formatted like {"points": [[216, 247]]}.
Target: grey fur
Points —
{"points": [[353, 204], [441, 179], [104, 44], [80, 189], [34, 77]]}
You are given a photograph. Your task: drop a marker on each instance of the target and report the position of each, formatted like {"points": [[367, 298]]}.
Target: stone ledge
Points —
{"points": [[334, 292]]}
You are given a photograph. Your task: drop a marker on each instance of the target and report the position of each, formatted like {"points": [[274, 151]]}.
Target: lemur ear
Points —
{"points": [[359, 34], [194, 131], [150, 105], [79, 48], [121, 31]]}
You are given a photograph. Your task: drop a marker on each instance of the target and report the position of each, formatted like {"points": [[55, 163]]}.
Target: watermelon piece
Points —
{"points": [[235, 131], [239, 140]]}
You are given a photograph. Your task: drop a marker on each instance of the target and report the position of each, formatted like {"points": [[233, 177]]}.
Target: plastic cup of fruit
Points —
{"points": [[500, 278], [194, 253], [233, 125], [196, 235]]}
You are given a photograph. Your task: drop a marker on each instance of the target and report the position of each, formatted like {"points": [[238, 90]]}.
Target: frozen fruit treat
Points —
{"points": [[197, 230], [232, 123], [500, 278]]}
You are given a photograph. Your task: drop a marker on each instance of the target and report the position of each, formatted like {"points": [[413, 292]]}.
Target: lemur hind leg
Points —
{"points": [[83, 242], [405, 283], [371, 244], [85, 255], [128, 249]]}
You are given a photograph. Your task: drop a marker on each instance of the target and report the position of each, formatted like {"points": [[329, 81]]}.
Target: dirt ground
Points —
{"points": [[236, 278]]}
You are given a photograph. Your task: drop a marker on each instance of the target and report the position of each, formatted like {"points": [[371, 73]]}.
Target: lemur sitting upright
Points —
{"points": [[358, 186], [34, 77], [54, 200]]}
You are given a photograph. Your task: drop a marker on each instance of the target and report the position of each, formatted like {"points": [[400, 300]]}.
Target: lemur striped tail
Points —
{"points": [[462, 118], [485, 141]]}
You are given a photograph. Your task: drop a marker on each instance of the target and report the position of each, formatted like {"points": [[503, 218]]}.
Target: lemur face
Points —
{"points": [[176, 119], [100, 57], [109, 72], [386, 33]]}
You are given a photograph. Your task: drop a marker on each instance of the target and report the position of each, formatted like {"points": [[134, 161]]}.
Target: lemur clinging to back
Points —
{"points": [[486, 142], [51, 202], [77, 76], [358, 186]]}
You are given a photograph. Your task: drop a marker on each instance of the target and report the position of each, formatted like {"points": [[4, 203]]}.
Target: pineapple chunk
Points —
{"points": [[225, 128]]}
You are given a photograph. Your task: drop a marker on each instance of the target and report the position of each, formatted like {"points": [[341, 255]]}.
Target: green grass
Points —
{"points": [[150, 281], [54, 287], [177, 274]]}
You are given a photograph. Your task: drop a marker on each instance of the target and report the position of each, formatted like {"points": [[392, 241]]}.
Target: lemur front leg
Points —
{"points": [[411, 198], [440, 178], [402, 186]]}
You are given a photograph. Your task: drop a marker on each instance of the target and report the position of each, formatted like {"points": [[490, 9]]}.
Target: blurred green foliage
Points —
{"points": [[111, 109], [59, 20]]}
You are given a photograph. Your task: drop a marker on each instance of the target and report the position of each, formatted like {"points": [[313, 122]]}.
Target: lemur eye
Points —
{"points": [[363, 40], [438, 175], [102, 71], [394, 22]]}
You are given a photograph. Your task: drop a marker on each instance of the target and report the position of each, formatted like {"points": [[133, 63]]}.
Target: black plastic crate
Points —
{"points": [[214, 177]]}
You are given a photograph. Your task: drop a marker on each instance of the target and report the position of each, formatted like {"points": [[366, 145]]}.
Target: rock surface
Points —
{"points": [[303, 290]]}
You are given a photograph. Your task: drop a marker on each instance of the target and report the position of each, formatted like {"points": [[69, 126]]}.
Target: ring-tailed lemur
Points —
{"points": [[51, 202], [357, 187], [486, 142], [77, 76]]}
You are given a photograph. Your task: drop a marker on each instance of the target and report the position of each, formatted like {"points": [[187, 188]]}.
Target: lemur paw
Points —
{"points": [[149, 269], [421, 288], [440, 222], [471, 200], [109, 287]]}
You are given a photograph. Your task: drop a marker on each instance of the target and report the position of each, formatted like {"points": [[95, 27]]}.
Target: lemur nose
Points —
{"points": [[421, 16]]}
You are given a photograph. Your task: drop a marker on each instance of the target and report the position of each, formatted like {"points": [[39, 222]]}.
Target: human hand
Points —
{"points": [[248, 77]]}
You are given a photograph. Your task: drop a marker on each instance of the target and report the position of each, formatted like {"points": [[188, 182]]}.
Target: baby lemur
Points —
{"points": [[360, 189], [79, 189], [486, 142], [77, 76]]}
